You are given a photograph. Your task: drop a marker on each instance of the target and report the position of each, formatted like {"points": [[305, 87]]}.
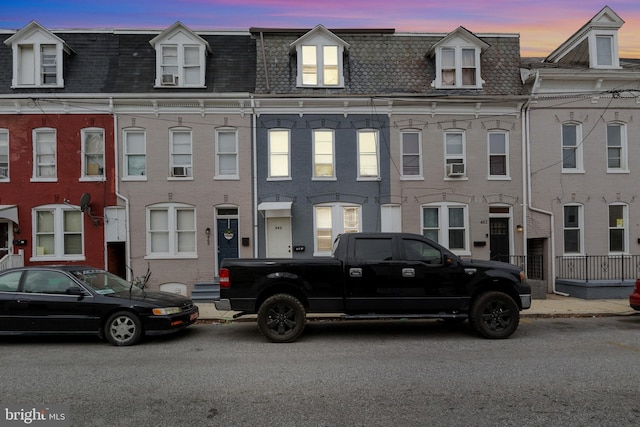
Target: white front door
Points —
{"points": [[279, 237]]}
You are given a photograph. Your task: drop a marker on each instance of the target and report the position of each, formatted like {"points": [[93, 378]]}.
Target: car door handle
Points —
{"points": [[355, 272], [408, 272]]}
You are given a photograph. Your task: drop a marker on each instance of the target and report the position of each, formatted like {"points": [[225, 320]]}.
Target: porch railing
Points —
{"points": [[12, 260], [598, 267]]}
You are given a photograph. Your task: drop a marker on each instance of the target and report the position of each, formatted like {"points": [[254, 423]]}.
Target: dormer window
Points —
{"points": [[180, 57], [37, 57], [457, 59], [320, 59]]}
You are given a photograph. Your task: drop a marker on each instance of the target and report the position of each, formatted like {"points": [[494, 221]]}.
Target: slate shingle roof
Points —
{"points": [[107, 62], [387, 64]]}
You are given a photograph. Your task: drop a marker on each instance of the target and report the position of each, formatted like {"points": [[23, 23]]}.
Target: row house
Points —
{"points": [[583, 151], [373, 130], [129, 150]]}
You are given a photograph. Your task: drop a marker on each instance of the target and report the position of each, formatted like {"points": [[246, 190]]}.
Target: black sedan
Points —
{"points": [[84, 300]]}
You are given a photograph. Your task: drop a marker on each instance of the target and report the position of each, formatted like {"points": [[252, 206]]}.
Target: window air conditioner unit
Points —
{"points": [[169, 80], [455, 169], [179, 171]]}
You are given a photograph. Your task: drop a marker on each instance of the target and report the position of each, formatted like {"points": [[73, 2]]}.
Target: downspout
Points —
{"points": [[127, 242], [264, 62], [254, 176], [526, 140]]}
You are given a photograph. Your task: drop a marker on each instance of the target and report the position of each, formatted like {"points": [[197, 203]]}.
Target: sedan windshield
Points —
{"points": [[104, 282]]}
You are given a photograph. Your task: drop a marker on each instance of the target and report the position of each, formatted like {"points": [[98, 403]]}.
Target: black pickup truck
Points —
{"points": [[376, 276]]}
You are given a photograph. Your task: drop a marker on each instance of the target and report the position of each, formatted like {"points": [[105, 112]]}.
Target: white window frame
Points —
{"points": [[457, 67], [58, 232], [225, 153], [4, 155], [619, 226], [505, 155], [175, 155], [338, 223], [37, 135], [621, 149], [317, 67], [171, 231], [453, 157], [279, 156], [319, 159], [612, 60], [365, 155], [576, 147], [405, 155], [99, 157], [443, 227], [579, 228], [128, 152]]}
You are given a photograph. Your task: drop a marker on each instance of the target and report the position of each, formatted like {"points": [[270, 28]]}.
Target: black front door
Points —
{"points": [[499, 239], [227, 239]]}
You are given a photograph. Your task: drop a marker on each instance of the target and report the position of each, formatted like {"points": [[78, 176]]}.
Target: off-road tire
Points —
{"points": [[282, 318], [494, 315], [123, 328]]}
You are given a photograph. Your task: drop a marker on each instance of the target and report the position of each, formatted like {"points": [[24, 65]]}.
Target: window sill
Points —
{"points": [[181, 178], [284, 178], [171, 256], [92, 179], [320, 178], [412, 178], [44, 179], [573, 171], [462, 178], [134, 178], [57, 258], [618, 171], [226, 178], [498, 178]]}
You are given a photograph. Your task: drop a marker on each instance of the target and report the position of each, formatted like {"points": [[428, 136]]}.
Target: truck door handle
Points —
{"points": [[355, 272], [408, 272]]}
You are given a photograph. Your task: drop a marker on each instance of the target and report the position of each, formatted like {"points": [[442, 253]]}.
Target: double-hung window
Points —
{"points": [[58, 233], [447, 224], [181, 155], [571, 147], [93, 153], [44, 155], [411, 154], [171, 230], [616, 148], [572, 229], [459, 67], [323, 154], [279, 154], [455, 154], [227, 154], [135, 154], [4, 155], [368, 155], [498, 154], [330, 220], [617, 228]]}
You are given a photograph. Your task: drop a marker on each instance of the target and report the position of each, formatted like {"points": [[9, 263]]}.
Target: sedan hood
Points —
{"points": [[162, 299]]}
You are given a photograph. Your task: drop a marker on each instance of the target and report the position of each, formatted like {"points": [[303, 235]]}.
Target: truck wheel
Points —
{"points": [[282, 318], [494, 315], [123, 328]]}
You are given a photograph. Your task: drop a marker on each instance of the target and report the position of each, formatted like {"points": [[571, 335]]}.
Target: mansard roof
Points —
{"points": [[123, 62], [386, 62]]}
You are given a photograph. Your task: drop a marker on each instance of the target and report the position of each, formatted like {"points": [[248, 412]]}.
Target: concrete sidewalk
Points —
{"points": [[553, 306]]}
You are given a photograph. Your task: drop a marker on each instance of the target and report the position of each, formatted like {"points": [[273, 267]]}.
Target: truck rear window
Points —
{"points": [[373, 249]]}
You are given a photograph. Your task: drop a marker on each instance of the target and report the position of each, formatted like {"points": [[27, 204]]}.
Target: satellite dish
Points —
{"points": [[85, 199]]}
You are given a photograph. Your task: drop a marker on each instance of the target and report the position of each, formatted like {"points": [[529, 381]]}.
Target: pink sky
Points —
{"points": [[543, 25]]}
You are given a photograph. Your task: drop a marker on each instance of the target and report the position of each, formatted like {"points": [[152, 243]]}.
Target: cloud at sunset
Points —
{"points": [[542, 25]]}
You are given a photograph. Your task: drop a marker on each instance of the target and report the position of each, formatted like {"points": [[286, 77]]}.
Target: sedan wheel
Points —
{"points": [[123, 328]]}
